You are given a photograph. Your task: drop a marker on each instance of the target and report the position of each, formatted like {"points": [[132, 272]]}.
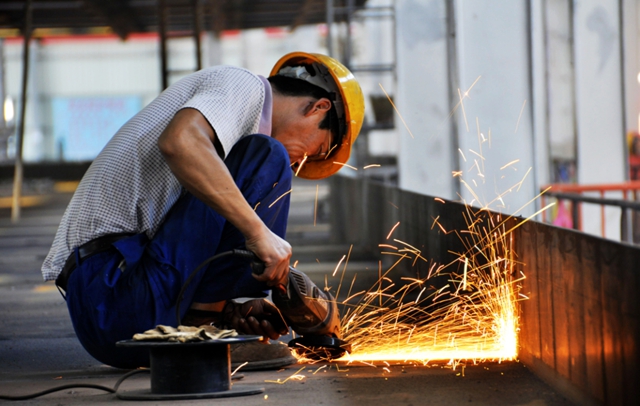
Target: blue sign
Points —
{"points": [[82, 126]]}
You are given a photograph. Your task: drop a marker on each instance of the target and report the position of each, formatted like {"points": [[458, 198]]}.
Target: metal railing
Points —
{"points": [[574, 194]]}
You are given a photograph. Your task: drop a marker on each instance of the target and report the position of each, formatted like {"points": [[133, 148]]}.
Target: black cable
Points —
{"points": [[56, 389], [236, 252], [75, 385], [127, 375]]}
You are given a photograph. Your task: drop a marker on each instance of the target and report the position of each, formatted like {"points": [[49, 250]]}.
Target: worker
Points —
{"points": [[203, 169]]}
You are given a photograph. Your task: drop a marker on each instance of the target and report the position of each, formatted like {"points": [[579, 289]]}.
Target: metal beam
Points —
{"points": [[238, 12], [17, 176], [118, 15], [128, 16], [302, 14], [218, 17]]}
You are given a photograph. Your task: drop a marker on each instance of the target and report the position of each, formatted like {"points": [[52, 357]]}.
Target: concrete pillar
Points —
{"points": [[598, 89], [631, 57], [539, 89], [560, 82], [493, 45], [35, 142], [425, 158], [599, 108]]}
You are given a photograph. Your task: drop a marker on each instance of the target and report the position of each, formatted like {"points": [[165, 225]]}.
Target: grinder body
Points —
{"points": [[307, 309], [312, 314]]}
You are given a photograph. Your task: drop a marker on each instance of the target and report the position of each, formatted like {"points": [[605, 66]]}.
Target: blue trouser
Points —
{"points": [[109, 302]]}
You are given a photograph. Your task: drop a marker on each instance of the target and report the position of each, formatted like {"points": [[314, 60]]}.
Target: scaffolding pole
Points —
{"points": [[18, 172], [197, 31], [330, 17], [162, 28]]}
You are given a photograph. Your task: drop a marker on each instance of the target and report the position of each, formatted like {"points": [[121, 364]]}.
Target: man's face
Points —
{"points": [[301, 137], [305, 143]]}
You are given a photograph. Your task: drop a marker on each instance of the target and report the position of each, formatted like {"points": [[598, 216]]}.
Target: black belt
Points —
{"points": [[94, 246]]}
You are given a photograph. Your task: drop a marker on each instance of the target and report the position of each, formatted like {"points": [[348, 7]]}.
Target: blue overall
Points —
{"points": [[109, 301]]}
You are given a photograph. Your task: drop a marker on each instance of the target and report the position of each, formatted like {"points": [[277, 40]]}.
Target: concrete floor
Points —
{"points": [[38, 348]]}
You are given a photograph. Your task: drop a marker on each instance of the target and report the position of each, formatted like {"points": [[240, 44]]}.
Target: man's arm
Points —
{"points": [[188, 146]]}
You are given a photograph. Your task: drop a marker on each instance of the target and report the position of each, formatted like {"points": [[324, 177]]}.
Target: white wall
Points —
{"points": [[491, 39], [560, 79], [540, 91], [425, 155], [563, 57], [599, 94], [492, 43]]}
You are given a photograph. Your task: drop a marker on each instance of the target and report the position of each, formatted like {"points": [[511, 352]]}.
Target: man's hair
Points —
{"points": [[289, 86]]}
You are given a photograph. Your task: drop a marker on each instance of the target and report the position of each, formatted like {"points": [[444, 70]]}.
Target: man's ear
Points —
{"points": [[320, 106]]}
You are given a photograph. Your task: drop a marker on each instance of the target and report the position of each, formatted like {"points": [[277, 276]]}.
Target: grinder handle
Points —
{"points": [[257, 266]]}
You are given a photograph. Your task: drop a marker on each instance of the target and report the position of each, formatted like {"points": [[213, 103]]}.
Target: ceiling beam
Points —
{"points": [[302, 14], [238, 13], [118, 15], [218, 16]]}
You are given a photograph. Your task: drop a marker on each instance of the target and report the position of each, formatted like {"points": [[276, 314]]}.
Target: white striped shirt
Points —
{"points": [[129, 187]]}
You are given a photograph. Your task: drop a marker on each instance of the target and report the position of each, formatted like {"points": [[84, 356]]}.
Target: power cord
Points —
{"points": [[77, 385], [236, 252]]}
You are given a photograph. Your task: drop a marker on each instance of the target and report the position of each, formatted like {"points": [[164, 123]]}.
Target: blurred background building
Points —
{"points": [[510, 93]]}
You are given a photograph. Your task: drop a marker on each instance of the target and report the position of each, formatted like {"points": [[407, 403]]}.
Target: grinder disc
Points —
{"points": [[320, 348]]}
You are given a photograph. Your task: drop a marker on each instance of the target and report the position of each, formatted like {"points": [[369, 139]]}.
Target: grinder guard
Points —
{"points": [[307, 309], [313, 314]]}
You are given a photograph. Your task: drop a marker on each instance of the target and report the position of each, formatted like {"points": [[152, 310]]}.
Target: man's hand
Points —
{"points": [[257, 317], [275, 253]]}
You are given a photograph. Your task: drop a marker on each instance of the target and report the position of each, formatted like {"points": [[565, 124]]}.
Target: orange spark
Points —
{"points": [[397, 111], [302, 163], [392, 230], [520, 116], [464, 114], [462, 153], [315, 207], [338, 266], [387, 246], [347, 165], [294, 376], [281, 196], [510, 163], [466, 94]]}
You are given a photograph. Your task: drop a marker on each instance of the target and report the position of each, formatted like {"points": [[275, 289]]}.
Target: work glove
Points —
{"points": [[184, 334], [257, 317]]}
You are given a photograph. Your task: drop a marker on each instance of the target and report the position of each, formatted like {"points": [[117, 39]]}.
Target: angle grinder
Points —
{"points": [[311, 313]]}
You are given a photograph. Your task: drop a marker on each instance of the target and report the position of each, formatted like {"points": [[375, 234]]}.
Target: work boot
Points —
{"points": [[261, 355]]}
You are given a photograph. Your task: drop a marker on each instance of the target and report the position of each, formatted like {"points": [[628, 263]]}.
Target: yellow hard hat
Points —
{"points": [[349, 102]]}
